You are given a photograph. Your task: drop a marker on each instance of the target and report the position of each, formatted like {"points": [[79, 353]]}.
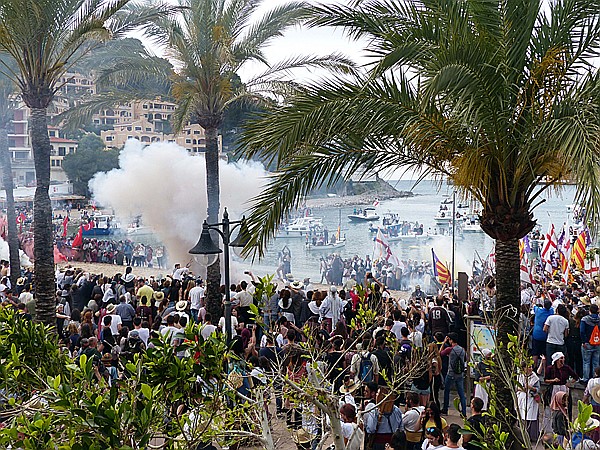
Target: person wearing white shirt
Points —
{"points": [[144, 333], [331, 309], [398, 324], [116, 322], [557, 327], [207, 328], [234, 325], [196, 299]]}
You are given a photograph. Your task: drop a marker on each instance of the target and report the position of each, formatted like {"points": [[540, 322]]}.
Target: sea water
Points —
{"points": [[421, 208]]}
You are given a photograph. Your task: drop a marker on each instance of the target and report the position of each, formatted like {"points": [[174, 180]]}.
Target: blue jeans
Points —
{"points": [[591, 360], [459, 382], [194, 313]]}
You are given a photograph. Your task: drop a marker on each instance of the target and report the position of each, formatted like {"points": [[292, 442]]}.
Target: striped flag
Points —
{"points": [[440, 270], [383, 250], [550, 246], [579, 248], [564, 251]]}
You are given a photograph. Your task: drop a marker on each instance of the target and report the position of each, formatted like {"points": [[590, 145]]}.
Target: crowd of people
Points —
{"points": [[110, 251], [394, 369]]}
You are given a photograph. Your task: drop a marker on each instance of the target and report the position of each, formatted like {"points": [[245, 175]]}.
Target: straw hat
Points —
{"points": [[595, 393], [301, 436], [181, 305], [349, 387], [110, 308], [296, 285], [21, 281], [591, 424], [159, 296]]}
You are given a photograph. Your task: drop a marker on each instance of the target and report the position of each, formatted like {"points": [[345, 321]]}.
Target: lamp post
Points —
{"points": [[207, 247]]}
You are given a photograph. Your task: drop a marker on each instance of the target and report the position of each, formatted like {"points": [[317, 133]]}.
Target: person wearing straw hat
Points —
{"points": [[591, 395]]}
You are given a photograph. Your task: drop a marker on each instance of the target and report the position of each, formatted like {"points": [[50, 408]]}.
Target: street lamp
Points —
{"points": [[206, 252]]}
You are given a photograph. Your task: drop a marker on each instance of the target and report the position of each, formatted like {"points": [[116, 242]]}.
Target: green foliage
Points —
{"points": [[66, 405], [29, 353], [90, 158]]}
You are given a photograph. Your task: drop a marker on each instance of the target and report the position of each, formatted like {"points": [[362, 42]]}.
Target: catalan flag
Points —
{"points": [[579, 248], [440, 270]]}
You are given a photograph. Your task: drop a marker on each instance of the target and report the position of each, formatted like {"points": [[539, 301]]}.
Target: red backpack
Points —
{"points": [[595, 336]]}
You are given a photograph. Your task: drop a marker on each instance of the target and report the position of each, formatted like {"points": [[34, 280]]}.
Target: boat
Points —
{"points": [[100, 225], [368, 214], [329, 246], [471, 224], [300, 227]]}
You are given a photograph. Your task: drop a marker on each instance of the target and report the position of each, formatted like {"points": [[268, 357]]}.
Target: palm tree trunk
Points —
{"points": [[213, 273], [508, 303], [42, 216], [12, 237]]}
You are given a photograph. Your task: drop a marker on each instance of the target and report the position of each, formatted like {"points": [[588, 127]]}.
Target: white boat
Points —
{"points": [[100, 225], [471, 225], [139, 230], [300, 227], [443, 217], [329, 246], [366, 215]]}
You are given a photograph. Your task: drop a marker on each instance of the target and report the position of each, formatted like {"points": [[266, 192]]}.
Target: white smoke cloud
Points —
{"points": [[167, 186], [4, 254]]}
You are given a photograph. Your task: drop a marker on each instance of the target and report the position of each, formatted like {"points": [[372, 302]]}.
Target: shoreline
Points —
{"points": [[147, 272], [354, 200]]}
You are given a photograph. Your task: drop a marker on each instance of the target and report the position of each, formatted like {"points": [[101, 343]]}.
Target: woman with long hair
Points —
{"points": [[431, 418]]}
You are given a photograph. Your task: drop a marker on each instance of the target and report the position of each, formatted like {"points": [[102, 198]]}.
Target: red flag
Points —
{"points": [[58, 256], [65, 223], [78, 241], [88, 226]]}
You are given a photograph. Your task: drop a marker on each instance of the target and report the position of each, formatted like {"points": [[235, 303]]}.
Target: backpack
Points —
{"points": [[365, 372], [458, 367], [595, 336]]}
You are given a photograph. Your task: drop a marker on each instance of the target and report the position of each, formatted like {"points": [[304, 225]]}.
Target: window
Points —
{"points": [[62, 151], [196, 131], [71, 149], [188, 141], [52, 133], [138, 128], [148, 129], [128, 128], [109, 138]]}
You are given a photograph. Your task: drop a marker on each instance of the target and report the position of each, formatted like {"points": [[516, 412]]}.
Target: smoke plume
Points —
{"points": [[4, 254], [166, 186]]}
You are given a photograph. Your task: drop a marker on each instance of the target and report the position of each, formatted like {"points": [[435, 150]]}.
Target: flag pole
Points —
{"points": [[453, 238]]}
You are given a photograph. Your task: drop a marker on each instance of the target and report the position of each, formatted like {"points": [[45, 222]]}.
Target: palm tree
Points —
{"points": [[45, 38], [500, 97], [7, 104], [208, 44]]}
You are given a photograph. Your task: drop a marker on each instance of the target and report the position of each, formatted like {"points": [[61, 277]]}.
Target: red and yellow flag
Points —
{"points": [[579, 249]]}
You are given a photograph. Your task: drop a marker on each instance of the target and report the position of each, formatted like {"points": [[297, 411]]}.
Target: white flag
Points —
{"points": [[383, 251]]}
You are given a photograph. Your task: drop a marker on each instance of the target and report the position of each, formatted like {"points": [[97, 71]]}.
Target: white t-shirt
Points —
{"points": [[243, 299], [445, 447], [557, 325], [196, 295], [207, 330], [144, 334], [178, 273], [411, 417], [171, 331], [397, 327], [234, 324], [114, 325]]}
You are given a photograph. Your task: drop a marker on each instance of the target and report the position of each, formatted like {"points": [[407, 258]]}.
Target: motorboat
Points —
{"points": [[368, 214], [320, 245], [300, 227], [471, 225]]}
